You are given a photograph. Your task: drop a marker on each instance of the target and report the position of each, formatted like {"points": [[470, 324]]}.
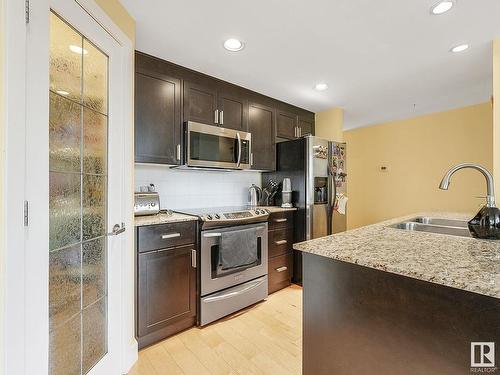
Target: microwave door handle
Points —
{"points": [[239, 150]]}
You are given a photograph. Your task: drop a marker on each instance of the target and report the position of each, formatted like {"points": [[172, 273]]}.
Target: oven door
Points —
{"points": [[215, 147], [213, 276]]}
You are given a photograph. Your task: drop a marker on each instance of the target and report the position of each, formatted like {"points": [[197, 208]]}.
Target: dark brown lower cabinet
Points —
{"points": [[280, 238], [166, 293]]}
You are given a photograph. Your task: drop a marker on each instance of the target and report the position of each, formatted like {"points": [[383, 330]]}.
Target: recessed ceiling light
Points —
{"points": [[62, 92], [233, 45], [77, 49], [442, 7], [321, 86], [460, 48]]}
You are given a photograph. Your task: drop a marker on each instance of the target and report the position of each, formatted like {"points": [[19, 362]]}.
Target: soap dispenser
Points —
{"points": [[486, 223]]}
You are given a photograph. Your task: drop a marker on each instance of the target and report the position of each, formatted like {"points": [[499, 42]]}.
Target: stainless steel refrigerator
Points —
{"points": [[317, 169]]}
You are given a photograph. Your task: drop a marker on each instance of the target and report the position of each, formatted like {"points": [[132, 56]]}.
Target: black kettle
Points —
{"points": [[486, 223]]}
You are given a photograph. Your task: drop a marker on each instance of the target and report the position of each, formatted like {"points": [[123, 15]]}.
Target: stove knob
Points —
{"points": [[209, 217], [217, 216]]}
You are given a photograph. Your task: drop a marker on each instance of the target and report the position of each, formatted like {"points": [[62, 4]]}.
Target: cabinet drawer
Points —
{"points": [[279, 220], [280, 241], [280, 272], [161, 236]]}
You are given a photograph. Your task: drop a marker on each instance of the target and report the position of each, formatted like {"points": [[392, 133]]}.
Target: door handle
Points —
{"points": [[212, 235], [281, 220], [170, 235], [178, 151], [280, 242], [216, 118], [193, 258], [281, 269], [239, 150], [117, 230], [221, 118]]}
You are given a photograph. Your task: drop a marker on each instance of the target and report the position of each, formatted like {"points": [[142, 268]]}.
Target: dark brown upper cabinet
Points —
{"points": [[200, 103], [261, 124], [167, 95], [286, 125], [233, 109], [157, 118], [306, 125]]}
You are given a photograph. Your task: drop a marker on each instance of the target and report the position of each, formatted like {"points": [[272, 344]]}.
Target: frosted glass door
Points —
{"points": [[78, 132]]}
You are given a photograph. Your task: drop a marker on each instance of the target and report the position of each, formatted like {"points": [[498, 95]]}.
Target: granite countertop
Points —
{"points": [[163, 218], [459, 262]]}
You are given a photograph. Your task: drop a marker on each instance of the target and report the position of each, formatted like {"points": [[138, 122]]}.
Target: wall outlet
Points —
{"points": [[384, 168]]}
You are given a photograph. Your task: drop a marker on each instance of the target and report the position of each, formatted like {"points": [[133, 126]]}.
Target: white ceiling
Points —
{"points": [[382, 59]]}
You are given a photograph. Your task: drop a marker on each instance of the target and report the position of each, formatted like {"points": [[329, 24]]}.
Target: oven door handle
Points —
{"points": [[236, 291], [239, 150], [212, 235]]}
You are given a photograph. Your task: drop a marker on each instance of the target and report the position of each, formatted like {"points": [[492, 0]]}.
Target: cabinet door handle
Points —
{"points": [[300, 132], [178, 152], [280, 242], [170, 235], [216, 118], [251, 159], [295, 131], [281, 269], [281, 220], [221, 118], [193, 258]]}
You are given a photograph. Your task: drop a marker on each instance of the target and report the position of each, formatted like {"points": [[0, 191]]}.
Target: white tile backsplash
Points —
{"points": [[195, 188]]}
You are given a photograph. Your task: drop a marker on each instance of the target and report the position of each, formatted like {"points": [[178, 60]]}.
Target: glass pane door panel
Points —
{"points": [[78, 131]]}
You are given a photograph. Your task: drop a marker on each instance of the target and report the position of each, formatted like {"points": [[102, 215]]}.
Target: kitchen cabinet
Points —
{"points": [[286, 125], [261, 124], [157, 118], [305, 126], [166, 281], [200, 103], [280, 236], [233, 109], [167, 95]]}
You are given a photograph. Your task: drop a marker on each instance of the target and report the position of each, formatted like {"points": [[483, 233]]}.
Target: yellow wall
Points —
{"points": [[417, 153], [328, 124], [496, 114], [115, 10]]}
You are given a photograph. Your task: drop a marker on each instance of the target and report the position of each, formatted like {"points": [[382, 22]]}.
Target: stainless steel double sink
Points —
{"points": [[435, 225]]}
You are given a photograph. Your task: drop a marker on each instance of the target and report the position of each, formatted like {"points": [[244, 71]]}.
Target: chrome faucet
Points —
{"points": [[490, 197]]}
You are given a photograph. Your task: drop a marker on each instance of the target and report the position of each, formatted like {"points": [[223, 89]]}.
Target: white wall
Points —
{"points": [[195, 188]]}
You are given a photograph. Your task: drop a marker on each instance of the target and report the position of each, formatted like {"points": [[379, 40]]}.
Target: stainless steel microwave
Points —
{"points": [[211, 146]]}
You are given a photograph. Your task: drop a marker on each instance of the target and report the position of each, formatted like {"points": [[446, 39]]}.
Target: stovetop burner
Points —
{"points": [[227, 216]]}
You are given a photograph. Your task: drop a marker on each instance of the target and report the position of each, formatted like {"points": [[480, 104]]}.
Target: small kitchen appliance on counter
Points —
{"points": [[254, 195], [146, 203], [286, 194], [233, 259]]}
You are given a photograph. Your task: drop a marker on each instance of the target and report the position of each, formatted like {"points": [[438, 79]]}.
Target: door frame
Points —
{"points": [[20, 353]]}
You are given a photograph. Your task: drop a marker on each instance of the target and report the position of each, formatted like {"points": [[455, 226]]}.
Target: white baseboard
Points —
{"points": [[130, 356]]}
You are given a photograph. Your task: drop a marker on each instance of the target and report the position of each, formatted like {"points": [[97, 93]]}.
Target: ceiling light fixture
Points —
{"points": [[62, 92], [460, 48], [233, 45], [442, 7], [321, 86], [78, 49]]}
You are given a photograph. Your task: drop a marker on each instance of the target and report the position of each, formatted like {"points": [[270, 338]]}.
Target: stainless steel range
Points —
{"points": [[233, 259]]}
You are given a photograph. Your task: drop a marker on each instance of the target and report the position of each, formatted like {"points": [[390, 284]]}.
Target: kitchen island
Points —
{"points": [[381, 300]]}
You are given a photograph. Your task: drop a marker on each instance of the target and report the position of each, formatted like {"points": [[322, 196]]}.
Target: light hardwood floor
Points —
{"points": [[263, 339]]}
